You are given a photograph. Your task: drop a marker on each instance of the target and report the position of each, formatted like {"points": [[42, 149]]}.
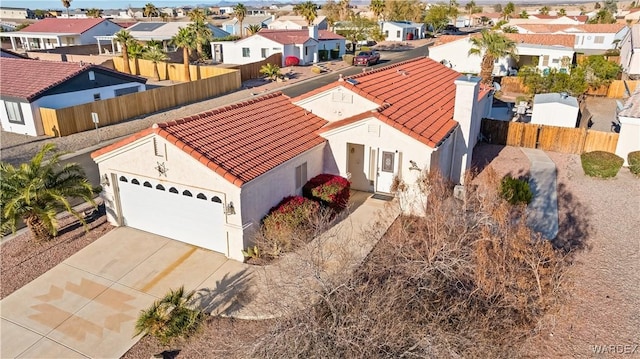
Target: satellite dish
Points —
{"points": [[496, 86]]}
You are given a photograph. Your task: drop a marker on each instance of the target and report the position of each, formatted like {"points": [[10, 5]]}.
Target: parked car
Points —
{"points": [[366, 58]]}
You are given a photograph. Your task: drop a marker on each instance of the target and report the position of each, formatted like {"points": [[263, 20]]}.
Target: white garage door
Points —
{"points": [[177, 212]]}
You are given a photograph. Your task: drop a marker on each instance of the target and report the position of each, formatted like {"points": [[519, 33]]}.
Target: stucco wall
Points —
{"points": [[31, 127], [587, 41], [232, 51], [264, 192], [138, 158], [629, 139], [106, 28], [456, 55], [554, 114], [337, 104], [86, 96]]}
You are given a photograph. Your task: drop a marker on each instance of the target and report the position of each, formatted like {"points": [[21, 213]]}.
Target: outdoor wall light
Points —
{"points": [[104, 180], [414, 165], [230, 209]]}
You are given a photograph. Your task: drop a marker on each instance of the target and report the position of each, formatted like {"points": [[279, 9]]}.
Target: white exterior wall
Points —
{"points": [[554, 114], [138, 158], [232, 51], [332, 45], [337, 104], [456, 55], [266, 191], [586, 41], [11, 13], [285, 25], [32, 126], [555, 55], [393, 32], [629, 139], [80, 97]]}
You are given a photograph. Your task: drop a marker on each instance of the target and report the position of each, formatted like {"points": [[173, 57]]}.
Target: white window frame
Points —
{"points": [[301, 175]]}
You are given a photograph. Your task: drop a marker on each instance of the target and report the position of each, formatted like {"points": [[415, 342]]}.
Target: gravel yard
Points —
{"points": [[603, 110]]}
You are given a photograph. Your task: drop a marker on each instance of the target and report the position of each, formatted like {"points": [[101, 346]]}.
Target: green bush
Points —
{"points": [[601, 164], [515, 190], [634, 162], [348, 59]]}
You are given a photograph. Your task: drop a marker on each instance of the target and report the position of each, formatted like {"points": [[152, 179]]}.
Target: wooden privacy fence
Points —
{"points": [[548, 138], [69, 120], [615, 90], [175, 71]]}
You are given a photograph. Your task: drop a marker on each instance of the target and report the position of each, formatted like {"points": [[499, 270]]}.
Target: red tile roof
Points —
{"points": [[565, 40], [416, 97], [63, 26], [286, 37], [242, 141], [18, 80], [583, 28]]}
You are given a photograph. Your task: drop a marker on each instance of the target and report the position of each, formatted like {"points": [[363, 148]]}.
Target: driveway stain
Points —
{"points": [[170, 268]]}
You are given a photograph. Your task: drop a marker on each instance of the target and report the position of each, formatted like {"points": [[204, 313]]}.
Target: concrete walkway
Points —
{"points": [[86, 307], [542, 212]]}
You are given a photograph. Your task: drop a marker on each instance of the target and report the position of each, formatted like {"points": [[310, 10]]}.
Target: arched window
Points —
{"points": [[201, 196], [123, 179], [173, 190], [147, 184], [216, 199], [187, 193], [160, 187], [135, 181]]}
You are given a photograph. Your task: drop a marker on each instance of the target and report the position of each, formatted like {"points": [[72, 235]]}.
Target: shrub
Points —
{"points": [[634, 162], [515, 190], [286, 224], [316, 70], [227, 38], [291, 61], [330, 190], [348, 59], [601, 164]]}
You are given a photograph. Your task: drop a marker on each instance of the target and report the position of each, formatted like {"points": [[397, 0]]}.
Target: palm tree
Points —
{"points": [[134, 51], [154, 43], [308, 10], [491, 45], [200, 28], [155, 55], [95, 13], [37, 190], [186, 39], [377, 7], [544, 10], [470, 6], [123, 37], [254, 29], [509, 9], [562, 12], [170, 317], [150, 10], [67, 5], [270, 70], [524, 14], [240, 12]]}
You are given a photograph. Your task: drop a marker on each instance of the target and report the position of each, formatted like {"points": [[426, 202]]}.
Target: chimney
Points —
{"points": [[273, 17], [465, 112], [313, 32]]}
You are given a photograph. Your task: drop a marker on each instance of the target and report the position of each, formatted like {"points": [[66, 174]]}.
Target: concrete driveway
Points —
{"points": [[87, 306]]}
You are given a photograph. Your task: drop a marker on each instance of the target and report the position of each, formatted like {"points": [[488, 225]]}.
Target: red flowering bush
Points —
{"points": [[287, 224], [330, 190], [291, 61]]}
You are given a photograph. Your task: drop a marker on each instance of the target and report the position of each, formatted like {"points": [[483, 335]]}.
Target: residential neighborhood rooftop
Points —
{"points": [[555, 97], [16, 76], [417, 97], [632, 106], [296, 36], [65, 26], [590, 28], [565, 40], [241, 141]]}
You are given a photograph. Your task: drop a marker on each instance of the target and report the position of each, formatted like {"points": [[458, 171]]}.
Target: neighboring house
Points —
{"points": [[629, 118], [297, 23], [543, 51], [590, 39], [11, 54], [232, 26], [168, 11], [209, 179], [159, 31], [303, 44], [254, 11], [630, 53], [555, 109], [55, 32], [491, 18], [16, 13], [28, 85], [549, 19], [402, 30]]}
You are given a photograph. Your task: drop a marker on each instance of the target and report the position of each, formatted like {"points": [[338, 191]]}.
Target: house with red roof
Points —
{"points": [[28, 85], [50, 33], [543, 51], [303, 44], [590, 39], [209, 179]]}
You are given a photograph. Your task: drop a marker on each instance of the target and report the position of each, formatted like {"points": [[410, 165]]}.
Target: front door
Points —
{"points": [[356, 168], [387, 164]]}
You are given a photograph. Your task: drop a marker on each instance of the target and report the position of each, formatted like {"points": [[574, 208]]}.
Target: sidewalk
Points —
{"points": [[542, 212]]}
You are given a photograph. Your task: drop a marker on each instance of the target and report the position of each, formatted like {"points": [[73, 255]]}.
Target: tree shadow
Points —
{"points": [[574, 228], [230, 294], [483, 155], [90, 215]]}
